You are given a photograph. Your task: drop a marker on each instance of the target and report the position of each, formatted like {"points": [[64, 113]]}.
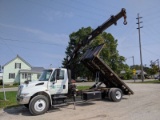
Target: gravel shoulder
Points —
{"points": [[143, 105]]}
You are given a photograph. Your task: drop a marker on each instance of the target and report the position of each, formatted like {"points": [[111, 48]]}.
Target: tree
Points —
{"points": [[148, 70], [136, 67], [154, 69], [109, 53]]}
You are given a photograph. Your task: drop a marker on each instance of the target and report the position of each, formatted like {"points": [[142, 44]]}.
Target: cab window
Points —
{"points": [[61, 75]]}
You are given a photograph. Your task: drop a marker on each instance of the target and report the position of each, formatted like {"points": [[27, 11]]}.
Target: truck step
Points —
{"points": [[59, 105], [59, 97]]}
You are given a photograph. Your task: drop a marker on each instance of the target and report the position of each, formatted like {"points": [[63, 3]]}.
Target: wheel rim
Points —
{"points": [[118, 94], [40, 105]]}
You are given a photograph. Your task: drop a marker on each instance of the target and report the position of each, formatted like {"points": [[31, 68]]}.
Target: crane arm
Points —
{"points": [[112, 20]]}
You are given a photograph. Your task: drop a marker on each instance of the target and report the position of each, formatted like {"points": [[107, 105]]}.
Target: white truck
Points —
{"points": [[54, 87]]}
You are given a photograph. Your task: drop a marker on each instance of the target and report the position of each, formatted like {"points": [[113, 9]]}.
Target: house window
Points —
{"points": [[26, 76], [18, 65], [11, 75]]}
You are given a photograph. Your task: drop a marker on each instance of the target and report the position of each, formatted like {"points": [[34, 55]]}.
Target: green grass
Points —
{"points": [[83, 87], [11, 99]]}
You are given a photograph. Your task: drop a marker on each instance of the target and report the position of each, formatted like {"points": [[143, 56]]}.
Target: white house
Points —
{"points": [[18, 70]]}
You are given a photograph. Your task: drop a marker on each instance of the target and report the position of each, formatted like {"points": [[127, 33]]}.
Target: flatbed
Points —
{"points": [[107, 76]]}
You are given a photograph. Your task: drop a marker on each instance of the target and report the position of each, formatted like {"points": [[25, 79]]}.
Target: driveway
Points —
{"points": [[9, 89], [143, 105]]}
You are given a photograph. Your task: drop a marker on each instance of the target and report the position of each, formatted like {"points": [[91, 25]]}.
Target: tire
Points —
{"points": [[115, 94], [109, 94], [38, 105]]}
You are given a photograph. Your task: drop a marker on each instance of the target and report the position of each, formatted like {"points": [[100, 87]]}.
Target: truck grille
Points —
{"points": [[19, 90]]}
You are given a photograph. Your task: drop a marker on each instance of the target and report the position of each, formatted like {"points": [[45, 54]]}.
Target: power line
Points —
{"points": [[91, 6], [9, 48], [76, 8], [153, 53], [70, 7], [16, 40]]}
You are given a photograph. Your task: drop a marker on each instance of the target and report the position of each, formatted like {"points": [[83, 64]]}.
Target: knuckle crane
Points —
{"points": [[112, 20]]}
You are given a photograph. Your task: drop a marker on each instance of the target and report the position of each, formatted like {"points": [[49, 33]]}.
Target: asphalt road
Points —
{"points": [[143, 105]]}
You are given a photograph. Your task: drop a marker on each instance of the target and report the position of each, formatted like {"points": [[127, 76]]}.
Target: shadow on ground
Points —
{"points": [[22, 110], [17, 110]]}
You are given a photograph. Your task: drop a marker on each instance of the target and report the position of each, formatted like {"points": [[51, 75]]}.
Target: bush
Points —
{"points": [[16, 83], [1, 82], [127, 75]]}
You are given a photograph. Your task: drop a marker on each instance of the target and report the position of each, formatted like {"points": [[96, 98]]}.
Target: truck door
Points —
{"points": [[58, 82]]}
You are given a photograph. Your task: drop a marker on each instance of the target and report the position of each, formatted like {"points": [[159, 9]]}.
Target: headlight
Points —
{"points": [[24, 94]]}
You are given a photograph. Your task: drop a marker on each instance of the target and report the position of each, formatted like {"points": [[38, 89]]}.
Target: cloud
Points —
{"points": [[59, 39], [53, 14], [53, 38]]}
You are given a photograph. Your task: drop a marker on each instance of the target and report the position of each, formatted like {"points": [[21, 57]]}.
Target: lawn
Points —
{"points": [[11, 99], [83, 87]]}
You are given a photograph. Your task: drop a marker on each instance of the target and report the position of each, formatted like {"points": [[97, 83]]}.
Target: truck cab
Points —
{"points": [[51, 84]]}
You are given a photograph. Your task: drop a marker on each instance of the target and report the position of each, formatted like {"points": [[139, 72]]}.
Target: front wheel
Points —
{"points": [[38, 105]]}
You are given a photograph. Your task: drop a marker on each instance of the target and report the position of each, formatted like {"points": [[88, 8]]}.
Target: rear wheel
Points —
{"points": [[39, 105], [109, 94], [115, 94]]}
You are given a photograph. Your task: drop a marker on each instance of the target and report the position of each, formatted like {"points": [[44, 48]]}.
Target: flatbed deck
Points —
{"points": [[107, 76]]}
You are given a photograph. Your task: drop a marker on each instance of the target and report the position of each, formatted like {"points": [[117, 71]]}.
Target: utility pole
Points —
{"points": [[158, 69], [133, 69], [133, 60], [138, 18]]}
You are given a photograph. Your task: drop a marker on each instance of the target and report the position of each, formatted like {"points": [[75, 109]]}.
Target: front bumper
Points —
{"points": [[23, 100]]}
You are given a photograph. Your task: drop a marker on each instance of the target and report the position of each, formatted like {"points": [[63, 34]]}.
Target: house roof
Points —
{"points": [[19, 58], [33, 70]]}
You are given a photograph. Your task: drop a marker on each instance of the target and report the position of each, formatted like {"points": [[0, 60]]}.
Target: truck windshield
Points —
{"points": [[45, 75]]}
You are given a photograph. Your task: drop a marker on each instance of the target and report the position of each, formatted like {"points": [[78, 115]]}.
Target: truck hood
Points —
{"points": [[33, 87], [35, 83]]}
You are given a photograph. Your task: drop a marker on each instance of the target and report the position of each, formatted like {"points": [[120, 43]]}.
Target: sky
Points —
{"points": [[38, 30]]}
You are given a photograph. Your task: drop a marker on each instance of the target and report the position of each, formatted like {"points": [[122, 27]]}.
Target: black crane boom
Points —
{"points": [[112, 20]]}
